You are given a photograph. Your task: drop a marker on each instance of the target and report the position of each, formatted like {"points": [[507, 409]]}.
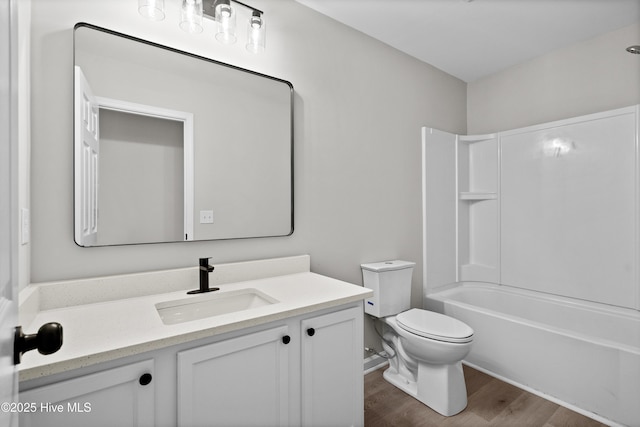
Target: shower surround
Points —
{"points": [[533, 240]]}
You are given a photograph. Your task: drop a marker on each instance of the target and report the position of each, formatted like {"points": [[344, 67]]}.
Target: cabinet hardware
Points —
{"points": [[145, 379], [286, 339], [311, 332]]}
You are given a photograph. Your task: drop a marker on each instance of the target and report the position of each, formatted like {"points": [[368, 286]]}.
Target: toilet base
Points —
{"points": [[440, 387]]}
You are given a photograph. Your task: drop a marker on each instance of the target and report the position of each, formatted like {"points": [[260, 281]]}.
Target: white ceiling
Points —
{"points": [[474, 38]]}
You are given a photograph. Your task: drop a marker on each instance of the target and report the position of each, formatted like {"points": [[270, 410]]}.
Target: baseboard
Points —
{"points": [[375, 362]]}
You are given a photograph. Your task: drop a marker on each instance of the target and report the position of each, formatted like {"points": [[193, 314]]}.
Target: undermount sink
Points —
{"points": [[213, 304]]}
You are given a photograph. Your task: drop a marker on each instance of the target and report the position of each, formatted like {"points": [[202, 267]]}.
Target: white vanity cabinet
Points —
{"points": [[306, 372], [301, 370], [123, 396]]}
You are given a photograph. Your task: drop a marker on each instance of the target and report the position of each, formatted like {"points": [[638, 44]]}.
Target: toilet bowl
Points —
{"points": [[426, 362], [425, 348]]}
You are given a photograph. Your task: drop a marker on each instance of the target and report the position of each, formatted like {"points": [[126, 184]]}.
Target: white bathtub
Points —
{"points": [[583, 355]]}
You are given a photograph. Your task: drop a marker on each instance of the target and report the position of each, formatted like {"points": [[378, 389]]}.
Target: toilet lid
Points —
{"points": [[430, 324]]}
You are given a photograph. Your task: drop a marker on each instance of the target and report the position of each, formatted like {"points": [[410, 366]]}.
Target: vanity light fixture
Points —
{"points": [[222, 12]]}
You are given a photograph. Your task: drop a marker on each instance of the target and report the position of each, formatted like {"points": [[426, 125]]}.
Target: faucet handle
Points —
{"points": [[204, 264]]}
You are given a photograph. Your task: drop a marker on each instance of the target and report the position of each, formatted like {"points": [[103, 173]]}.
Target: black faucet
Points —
{"points": [[205, 269]]}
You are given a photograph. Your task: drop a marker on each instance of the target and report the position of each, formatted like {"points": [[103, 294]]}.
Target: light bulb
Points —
{"points": [[256, 33], [226, 22], [224, 11]]}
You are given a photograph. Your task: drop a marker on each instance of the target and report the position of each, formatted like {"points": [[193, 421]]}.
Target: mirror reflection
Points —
{"points": [[169, 146]]}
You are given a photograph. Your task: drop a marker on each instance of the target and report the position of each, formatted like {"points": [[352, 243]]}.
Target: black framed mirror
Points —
{"points": [[170, 146]]}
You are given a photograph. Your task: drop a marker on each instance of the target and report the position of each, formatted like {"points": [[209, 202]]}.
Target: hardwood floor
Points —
{"points": [[491, 402]]}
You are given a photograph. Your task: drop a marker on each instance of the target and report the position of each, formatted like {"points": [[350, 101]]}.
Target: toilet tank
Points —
{"points": [[391, 285]]}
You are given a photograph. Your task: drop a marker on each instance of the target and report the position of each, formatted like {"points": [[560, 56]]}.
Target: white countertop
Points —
{"points": [[102, 331]]}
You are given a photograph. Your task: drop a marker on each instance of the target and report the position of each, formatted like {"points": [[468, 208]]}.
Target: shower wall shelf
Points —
{"points": [[477, 195], [478, 208]]}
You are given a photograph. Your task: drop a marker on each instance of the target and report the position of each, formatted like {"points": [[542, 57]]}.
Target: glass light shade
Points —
{"points": [[151, 9], [226, 23], [191, 16], [256, 34]]}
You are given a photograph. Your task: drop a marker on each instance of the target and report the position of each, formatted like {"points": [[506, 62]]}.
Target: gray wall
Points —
{"points": [[594, 75], [359, 107]]}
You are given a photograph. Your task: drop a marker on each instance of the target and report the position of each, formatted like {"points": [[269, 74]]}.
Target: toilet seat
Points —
{"points": [[436, 326]]}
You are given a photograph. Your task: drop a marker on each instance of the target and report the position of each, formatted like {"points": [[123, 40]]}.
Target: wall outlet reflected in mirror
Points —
{"points": [[206, 217]]}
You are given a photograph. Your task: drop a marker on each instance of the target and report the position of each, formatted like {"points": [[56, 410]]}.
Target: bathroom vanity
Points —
{"points": [[295, 359]]}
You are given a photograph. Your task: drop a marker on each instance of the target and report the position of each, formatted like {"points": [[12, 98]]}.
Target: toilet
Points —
{"points": [[425, 348]]}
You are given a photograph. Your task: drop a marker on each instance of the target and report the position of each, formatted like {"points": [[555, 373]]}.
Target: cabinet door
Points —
{"points": [[242, 381], [115, 397], [332, 370]]}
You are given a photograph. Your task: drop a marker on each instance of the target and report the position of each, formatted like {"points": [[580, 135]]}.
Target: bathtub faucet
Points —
{"points": [[205, 269]]}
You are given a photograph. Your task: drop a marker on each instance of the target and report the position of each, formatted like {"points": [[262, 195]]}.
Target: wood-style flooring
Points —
{"points": [[491, 402]]}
